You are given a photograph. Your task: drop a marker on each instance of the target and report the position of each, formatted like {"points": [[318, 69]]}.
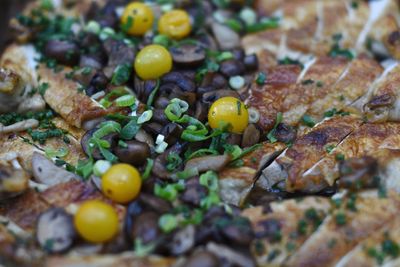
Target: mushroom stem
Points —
{"points": [[19, 126]]}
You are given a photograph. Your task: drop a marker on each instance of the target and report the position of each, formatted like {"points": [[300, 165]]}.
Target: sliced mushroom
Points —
{"points": [[159, 168], [90, 61], [201, 111], [146, 227], [181, 80], [64, 52], [19, 126], [193, 194], [84, 76], [55, 230], [35, 103], [227, 38], [154, 203], [136, 153], [144, 137], [159, 116], [232, 67], [46, 172], [183, 240], [172, 132], [188, 55], [118, 53], [161, 102], [111, 139], [13, 182], [208, 163], [251, 136], [215, 95]]}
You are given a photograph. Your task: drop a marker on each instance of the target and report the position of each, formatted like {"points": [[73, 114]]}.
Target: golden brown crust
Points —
{"points": [[310, 148], [283, 221], [356, 81], [361, 255], [23, 147], [63, 97], [309, 26], [344, 229], [236, 182], [369, 139], [269, 98], [25, 210], [384, 98]]}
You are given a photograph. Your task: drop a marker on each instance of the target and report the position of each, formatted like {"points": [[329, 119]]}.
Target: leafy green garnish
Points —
{"points": [[122, 74], [271, 135], [308, 121]]}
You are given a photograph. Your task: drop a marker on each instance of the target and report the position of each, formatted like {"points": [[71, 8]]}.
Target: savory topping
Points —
{"points": [[46, 172], [13, 181], [121, 183], [188, 55], [133, 152], [186, 124], [55, 230], [228, 112], [137, 18], [152, 62], [96, 221]]}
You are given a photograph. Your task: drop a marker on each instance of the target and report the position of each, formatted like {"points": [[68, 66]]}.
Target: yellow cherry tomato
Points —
{"points": [[138, 18], [121, 183], [152, 62], [175, 24], [96, 221], [229, 110]]}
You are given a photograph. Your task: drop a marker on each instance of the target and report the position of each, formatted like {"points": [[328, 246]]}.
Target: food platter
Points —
{"points": [[201, 133]]}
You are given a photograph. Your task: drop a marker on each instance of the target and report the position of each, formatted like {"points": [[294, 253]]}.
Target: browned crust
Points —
{"points": [[369, 139], [25, 210], [359, 77], [63, 97], [287, 215], [372, 213], [310, 148], [269, 98]]}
